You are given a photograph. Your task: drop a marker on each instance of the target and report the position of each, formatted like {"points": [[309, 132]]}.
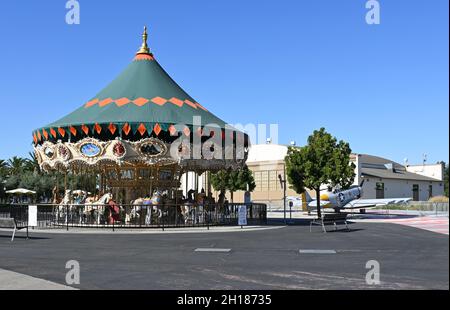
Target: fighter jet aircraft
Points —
{"points": [[351, 199]]}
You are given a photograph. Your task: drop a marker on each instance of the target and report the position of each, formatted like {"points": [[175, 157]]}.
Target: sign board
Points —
{"points": [[32, 216], [242, 213]]}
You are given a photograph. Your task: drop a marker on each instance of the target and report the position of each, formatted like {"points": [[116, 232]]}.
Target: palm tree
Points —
{"points": [[31, 163], [16, 165], [3, 168]]}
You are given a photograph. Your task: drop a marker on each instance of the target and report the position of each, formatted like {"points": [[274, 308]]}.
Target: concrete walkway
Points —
{"points": [[16, 281], [148, 231]]}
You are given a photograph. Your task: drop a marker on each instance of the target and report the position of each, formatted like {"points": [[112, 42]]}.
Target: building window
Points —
{"points": [[257, 175], [264, 180], [273, 180]]}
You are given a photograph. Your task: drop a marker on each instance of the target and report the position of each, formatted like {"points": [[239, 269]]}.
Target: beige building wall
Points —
{"points": [[268, 187]]}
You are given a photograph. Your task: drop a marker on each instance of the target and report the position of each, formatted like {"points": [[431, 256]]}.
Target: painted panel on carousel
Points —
{"points": [[90, 149], [49, 151], [151, 148], [119, 150], [63, 152]]}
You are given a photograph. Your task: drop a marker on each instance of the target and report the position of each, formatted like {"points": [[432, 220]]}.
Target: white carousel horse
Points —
{"points": [[97, 207], [70, 204], [157, 201], [140, 204], [62, 208]]}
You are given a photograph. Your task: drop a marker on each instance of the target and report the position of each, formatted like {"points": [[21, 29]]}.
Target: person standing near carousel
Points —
{"points": [[148, 211]]}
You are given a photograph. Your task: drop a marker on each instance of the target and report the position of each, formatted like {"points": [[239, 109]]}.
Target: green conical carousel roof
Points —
{"points": [[142, 94]]}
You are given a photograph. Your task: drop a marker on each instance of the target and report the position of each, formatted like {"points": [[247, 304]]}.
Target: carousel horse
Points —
{"points": [[134, 212], [188, 208], [79, 198], [61, 210], [97, 208], [144, 203]]}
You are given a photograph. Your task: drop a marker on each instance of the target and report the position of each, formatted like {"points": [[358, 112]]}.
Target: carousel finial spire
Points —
{"points": [[144, 48]]}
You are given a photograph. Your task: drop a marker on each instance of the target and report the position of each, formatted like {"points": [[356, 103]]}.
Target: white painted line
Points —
{"points": [[317, 252], [213, 250]]}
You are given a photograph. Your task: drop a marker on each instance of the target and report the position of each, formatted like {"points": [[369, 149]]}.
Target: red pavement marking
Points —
{"points": [[438, 225]]}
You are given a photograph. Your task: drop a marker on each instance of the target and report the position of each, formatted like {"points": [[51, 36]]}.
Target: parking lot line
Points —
{"points": [[317, 252], [213, 250]]}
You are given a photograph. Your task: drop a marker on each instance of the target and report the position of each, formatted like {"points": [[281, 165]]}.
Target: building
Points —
{"points": [[387, 179], [384, 178]]}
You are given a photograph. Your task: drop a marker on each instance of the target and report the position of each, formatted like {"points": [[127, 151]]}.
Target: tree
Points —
{"points": [[220, 181], [233, 181], [322, 161], [25, 173], [241, 180], [16, 166], [31, 163], [446, 180], [3, 174], [3, 169]]}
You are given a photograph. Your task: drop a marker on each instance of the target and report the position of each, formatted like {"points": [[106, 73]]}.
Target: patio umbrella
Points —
{"points": [[21, 191]]}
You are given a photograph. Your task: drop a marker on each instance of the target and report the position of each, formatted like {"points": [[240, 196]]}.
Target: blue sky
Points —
{"points": [[301, 64]]}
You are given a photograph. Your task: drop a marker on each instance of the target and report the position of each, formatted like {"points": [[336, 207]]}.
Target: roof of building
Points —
{"points": [[142, 98], [387, 169], [389, 174]]}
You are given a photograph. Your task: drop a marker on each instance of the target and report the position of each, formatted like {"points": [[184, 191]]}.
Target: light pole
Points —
{"points": [[283, 185]]}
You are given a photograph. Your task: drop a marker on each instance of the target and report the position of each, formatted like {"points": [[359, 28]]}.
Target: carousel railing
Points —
{"points": [[136, 216]]}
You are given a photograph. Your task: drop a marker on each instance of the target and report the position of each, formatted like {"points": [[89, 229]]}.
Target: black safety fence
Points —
{"points": [[135, 216]]}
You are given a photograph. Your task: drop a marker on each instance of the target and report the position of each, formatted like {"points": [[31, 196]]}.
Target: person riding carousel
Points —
{"points": [[113, 212]]}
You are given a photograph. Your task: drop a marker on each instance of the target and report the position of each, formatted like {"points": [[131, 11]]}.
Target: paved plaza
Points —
{"points": [[273, 257]]}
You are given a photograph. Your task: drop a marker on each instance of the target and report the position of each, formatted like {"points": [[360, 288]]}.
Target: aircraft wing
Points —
{"points": [[371, 203], [313, 204]]}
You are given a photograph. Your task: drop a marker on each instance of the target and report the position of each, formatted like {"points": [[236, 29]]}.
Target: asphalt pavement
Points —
{"points": [[284, 258]]}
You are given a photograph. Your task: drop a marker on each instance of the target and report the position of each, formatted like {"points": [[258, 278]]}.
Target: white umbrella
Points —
{"points": [[21, 191]]}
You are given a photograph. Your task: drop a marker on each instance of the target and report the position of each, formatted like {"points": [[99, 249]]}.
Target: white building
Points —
{"points": [[384, 178], [387, 179]]}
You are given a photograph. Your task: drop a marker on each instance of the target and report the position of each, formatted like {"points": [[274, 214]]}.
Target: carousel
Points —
{"points": [[137, 138]]}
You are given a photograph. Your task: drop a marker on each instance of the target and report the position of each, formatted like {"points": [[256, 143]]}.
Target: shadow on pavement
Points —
{"points": [[18, 237]]}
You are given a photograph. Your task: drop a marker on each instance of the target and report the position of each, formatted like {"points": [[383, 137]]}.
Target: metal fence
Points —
{"points": [[135, 216], [421, 208]]}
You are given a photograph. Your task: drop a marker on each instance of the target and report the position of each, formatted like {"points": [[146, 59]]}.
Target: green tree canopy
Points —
{"points": [[233, 181], [20, 172], [16, 165], [446, 180], [220, 180], [323, 160], [241, 180]]}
